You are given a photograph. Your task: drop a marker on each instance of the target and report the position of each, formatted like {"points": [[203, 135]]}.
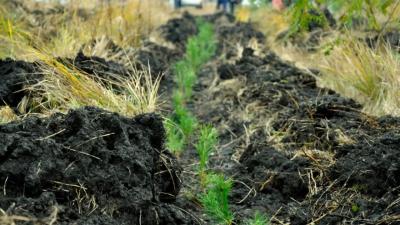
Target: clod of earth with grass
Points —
{"points": [[65, 87]]}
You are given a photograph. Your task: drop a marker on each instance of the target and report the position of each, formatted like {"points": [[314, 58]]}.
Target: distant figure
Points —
{"points": [[223, 4], [177, 4], [278, 4], [232, 5]]}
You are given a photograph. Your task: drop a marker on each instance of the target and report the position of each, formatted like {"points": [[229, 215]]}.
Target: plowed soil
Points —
{"points": [[300, 153], [89, 167]]}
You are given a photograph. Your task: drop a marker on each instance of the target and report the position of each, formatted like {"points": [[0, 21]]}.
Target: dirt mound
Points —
{"points": [[14, 76], [17, 75], [179, 30], [158, 57], [358, 162], [97, 66], [89, 167], [261, 163], [220, 18], [240, 33]]}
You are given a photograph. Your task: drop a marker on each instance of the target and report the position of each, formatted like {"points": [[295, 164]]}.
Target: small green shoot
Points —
{"points": [[355, 208], [206, 144], [186, 121], [178, 99], [215, 200], [185, 78], [175, 138], [259, 219], [202, 47]]}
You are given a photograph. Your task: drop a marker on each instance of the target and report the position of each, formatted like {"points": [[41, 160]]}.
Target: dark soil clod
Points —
{"points": [[15, 76], [94, 166]]}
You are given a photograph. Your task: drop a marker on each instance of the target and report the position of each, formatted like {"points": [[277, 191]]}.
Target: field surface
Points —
{"points": [[99, 152]]}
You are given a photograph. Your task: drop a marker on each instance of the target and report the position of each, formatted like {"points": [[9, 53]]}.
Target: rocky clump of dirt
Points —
{"points": [[89, 167], [15, 76]]}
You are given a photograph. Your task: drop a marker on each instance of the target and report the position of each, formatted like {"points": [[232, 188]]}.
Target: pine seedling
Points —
{"points": [[185, 78], [175, 138], [193, 53], [259, 219], [178, 99], [215, 199], [202, 47], [206, 144], [186, 121], [207, 41]]}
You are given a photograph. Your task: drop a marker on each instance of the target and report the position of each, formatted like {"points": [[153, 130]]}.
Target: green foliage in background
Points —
{"points": [[362, 8], [304, 12]]}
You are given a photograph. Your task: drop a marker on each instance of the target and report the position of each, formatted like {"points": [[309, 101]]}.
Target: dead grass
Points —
{"points": [[7, 219], [126, 23], [368, 75], [353, 69], [7, 115], [65, 87]]}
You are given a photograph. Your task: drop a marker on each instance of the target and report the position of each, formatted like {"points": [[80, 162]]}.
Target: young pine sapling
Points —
{"points": [[215, 200], [208, 139], [259, 219], [175, 138]]}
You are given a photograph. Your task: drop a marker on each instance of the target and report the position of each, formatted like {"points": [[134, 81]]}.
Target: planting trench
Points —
{"points": [[299, 153]]}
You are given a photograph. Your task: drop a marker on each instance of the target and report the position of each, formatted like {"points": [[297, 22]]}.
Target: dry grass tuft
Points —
{"points": [[6, 219], [65, 87], [347, 64], [126, 23], [368, 75], [7, 115]]}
